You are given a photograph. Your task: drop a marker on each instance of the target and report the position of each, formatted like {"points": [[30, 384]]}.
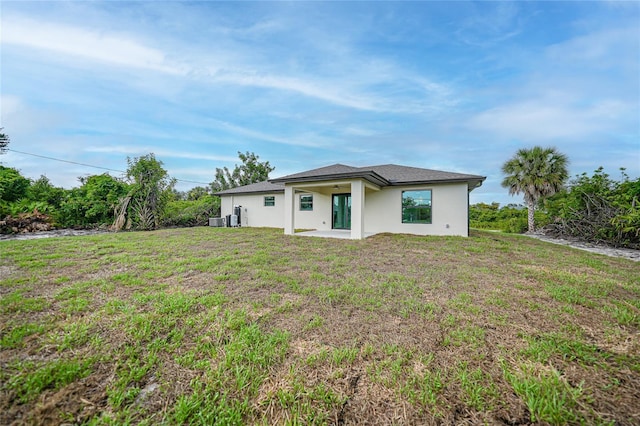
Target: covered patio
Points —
{"points": [[355, 189]]}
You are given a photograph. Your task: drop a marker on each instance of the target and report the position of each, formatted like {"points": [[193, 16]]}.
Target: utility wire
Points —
{"points": [[89, 165], [64, 161]]}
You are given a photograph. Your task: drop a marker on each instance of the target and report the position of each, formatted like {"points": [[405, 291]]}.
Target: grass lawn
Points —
{"points": [[249, 326]]}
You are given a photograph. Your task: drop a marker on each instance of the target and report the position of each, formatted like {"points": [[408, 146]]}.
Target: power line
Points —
{"points": [[64, 161], [89, 165]]}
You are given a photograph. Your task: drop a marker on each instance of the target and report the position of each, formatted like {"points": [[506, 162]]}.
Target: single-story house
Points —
{"points": [[364, 200]]}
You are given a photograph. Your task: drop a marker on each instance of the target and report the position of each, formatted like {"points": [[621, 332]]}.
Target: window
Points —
{"points": [[306, 202], [416, 206], [269, 201]]}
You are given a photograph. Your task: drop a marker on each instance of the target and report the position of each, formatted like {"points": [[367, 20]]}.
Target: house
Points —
{"points": [[364, 200]]}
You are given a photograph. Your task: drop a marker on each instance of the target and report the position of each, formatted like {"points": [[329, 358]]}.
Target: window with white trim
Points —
{"points": [[306, 202]]}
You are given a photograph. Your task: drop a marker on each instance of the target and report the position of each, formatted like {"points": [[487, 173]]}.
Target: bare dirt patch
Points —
{"points": [[50, 234], [73, 404], [624, 253]]}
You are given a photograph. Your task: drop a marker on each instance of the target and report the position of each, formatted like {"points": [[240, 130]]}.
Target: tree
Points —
{"points": [[197, 193], [42, 190], [13, 186], [538, 173], [251, 171], [4, 141], [93, 202], [151, 188]]}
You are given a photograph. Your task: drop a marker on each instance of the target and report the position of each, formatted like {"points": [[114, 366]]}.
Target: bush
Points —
{"points": [[93, 203], [511, 218], [598, 209], [191, 213], [13, 186], [515, 225]]}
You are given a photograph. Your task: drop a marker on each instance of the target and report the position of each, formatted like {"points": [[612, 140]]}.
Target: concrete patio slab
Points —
{"points": [[334, 233]]}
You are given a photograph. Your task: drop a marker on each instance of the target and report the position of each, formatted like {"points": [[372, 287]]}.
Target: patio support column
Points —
{"points": [[357, 210], [289, 213]]}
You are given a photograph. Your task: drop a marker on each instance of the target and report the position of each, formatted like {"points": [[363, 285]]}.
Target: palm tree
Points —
{"points": [[537, 173]]}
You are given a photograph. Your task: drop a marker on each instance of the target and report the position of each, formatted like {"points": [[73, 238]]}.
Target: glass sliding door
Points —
{"points": [[341, 211]]}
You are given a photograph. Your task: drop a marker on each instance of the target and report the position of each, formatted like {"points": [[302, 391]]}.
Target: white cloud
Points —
{"points": [[492, 24], [115, 49], [350, 81], [358, 131], [546, 120], [10, 105], [585, 87], [606, 48], [309, 140], [19, 118], [311, 87], [159, 152]]}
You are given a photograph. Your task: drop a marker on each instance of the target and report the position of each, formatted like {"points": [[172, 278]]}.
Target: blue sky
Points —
{"points": [[455, 86]]}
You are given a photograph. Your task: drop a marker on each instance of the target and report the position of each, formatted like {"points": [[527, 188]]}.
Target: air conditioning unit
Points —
{"points": [[217, 222]]}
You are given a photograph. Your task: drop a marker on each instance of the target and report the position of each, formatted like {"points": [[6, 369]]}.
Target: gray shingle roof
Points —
{"points": [[264, 187], [404, 175], [335, 169], [391, 174], [383, 175]]}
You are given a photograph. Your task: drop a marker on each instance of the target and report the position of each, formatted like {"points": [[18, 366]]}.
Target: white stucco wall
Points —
{"points": [[449, 206], [254, 212], [319, 218], [383, 210]]}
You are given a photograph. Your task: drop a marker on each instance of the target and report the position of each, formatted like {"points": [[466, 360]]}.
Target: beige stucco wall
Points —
{"points": [[254, 212], [319, 218], [383, 211]]}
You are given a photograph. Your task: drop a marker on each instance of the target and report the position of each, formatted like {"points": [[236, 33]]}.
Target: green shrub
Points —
{"points": [[191, 213], [511, 218], [599, 209], [13, 186], [92, 203], [515, 225]]}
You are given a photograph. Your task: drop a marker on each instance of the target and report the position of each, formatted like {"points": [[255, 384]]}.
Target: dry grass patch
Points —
{"points": [[237, 326]]}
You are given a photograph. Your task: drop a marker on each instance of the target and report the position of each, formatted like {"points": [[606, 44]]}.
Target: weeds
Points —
{"points": [[547, 395], [32, 379], [542, 348], [13, 338], [248, 326]]}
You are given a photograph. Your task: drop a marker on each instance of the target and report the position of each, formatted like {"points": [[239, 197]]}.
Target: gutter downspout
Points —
{"points": [[468, 210]]}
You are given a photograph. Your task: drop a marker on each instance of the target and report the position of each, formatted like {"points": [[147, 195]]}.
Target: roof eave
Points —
{"points": [[223, 193], [477, 180], [370, 176]]}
